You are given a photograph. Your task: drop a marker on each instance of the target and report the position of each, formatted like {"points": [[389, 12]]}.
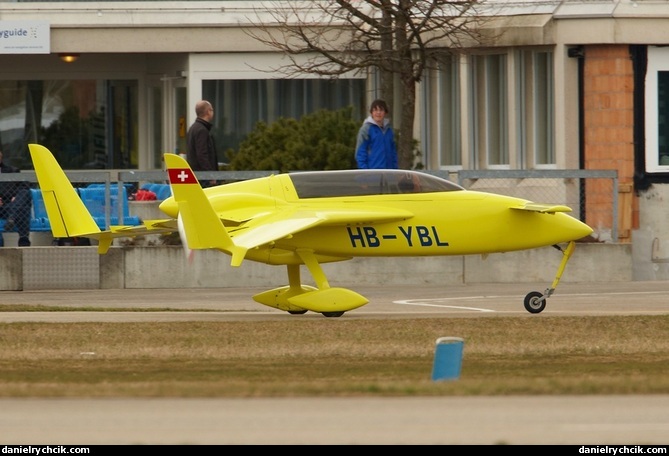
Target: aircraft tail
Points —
{"points": [[201, 224], [67, 213]]}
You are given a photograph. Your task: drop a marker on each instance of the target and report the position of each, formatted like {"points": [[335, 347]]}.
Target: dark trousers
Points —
{"points": [[18, 210]]}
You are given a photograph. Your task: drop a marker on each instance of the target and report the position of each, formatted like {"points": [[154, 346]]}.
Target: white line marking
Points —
{"points": [[433, 302], [420, 302]]}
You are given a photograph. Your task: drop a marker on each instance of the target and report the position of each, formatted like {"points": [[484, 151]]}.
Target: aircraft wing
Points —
{"points": [[147, 227], [105, 237], [543, 208], [265, 229]]}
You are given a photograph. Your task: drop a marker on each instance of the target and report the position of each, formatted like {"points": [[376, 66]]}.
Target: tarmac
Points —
{"points": [[480, 300], [588, 421]]}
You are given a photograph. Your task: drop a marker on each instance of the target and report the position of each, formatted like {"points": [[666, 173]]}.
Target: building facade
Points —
{"points": [[566, 85]]}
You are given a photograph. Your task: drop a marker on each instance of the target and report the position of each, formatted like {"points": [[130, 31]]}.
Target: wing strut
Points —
{"points": [[314, 268]]}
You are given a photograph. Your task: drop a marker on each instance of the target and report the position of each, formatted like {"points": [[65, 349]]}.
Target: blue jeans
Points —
{"points": [[17, 213]]}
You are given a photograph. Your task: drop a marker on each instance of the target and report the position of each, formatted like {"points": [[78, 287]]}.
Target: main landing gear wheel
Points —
{"points": [[535, 302], [333, 314], [297, 312]]}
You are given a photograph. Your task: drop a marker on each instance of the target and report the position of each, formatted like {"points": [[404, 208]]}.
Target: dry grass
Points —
{"points": [[339, 357]]}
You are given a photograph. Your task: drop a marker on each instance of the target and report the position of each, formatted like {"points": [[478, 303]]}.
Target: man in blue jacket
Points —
{"points": [[376, 148]]}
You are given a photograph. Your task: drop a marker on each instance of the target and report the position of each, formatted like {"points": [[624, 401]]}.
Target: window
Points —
{"points": [[88, 124], [449, 140], [155, 113], [534, 79], [657, 110], [240, 104], [489, 111], [663, 117]]}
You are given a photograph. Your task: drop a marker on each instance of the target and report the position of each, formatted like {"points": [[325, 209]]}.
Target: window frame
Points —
{"points": [[658, 62]]}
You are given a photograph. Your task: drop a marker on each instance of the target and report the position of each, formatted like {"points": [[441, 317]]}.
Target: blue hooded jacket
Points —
{"points": [[375, 148]]}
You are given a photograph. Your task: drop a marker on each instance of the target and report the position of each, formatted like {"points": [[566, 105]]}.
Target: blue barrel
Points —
{"points": [[448, 358]]}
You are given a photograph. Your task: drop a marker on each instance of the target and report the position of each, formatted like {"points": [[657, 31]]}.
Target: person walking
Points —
{"points": [[15, 205], [201, 149], [375, 147]]}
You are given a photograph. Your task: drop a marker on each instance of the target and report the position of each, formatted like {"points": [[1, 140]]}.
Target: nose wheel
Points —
{"points": [[535, 302]]}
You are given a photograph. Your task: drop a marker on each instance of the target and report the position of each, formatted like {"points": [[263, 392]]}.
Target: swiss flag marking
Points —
{"points": [[182, 176]]}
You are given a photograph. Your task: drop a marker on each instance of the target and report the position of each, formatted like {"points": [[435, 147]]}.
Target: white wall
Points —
{"points": [[650, 241]]}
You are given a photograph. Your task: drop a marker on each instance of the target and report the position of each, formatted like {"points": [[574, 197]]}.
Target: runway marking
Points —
{"points": [[616, 293], [421, 302], [616, 427], [434, 302]]}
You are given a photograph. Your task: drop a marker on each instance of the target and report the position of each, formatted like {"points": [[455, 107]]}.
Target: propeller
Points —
{"points": [[184, 242]]}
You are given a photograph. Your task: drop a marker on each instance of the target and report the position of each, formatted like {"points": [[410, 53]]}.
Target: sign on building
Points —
{"points": [[25, 37]]}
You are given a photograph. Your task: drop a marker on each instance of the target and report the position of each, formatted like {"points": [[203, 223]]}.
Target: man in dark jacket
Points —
{"points": [[201, 152], [15, 205]]}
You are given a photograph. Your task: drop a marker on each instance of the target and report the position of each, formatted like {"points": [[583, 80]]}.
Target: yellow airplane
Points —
{"points": [[314, 217]]}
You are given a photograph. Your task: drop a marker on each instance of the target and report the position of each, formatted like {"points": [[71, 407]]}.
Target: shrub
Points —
{"points": [[323, 140]]}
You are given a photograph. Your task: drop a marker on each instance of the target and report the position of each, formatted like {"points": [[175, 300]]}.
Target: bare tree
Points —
{"points": [[397, 39]]}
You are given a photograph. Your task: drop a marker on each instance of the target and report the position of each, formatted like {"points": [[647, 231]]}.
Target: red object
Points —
{"points": [[145, 195]]}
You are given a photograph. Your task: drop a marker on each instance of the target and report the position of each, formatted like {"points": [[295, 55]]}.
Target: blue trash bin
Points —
{"points": [[448, 358]]}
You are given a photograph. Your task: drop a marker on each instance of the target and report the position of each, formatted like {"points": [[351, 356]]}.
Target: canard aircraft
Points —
{"points": [[314, 217]]}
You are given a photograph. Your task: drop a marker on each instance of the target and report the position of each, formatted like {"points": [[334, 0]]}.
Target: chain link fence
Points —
{"points": [[592, 194]]}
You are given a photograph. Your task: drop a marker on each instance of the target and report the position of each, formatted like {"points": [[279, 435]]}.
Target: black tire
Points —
{"points": [[533, 304], [333, 314], [297, 312]]}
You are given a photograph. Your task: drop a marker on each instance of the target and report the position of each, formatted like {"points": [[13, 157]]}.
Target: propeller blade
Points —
{"points": [[184, 242]]}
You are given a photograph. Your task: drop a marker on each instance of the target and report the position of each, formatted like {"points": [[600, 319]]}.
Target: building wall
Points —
{"points": [[48, 268], [608, 110]]}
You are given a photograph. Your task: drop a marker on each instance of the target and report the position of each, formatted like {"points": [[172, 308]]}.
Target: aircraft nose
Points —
{"points": [[169, 206], [576, 228]]}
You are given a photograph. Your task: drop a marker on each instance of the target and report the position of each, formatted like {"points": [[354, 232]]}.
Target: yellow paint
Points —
{"points": [[265, 220]]}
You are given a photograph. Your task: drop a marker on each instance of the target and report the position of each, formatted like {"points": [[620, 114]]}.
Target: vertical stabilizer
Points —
{"points": [[67, 213], [201, 224]]}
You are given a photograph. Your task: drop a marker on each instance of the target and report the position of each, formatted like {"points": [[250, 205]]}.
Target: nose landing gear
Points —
{"points": [[535, 301]]}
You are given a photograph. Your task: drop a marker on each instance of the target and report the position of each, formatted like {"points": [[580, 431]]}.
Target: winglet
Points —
{"points": [[67, 213], [201, 223], [543, 208]]}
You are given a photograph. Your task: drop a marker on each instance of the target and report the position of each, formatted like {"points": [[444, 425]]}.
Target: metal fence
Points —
{"points": [[592, 194]]}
